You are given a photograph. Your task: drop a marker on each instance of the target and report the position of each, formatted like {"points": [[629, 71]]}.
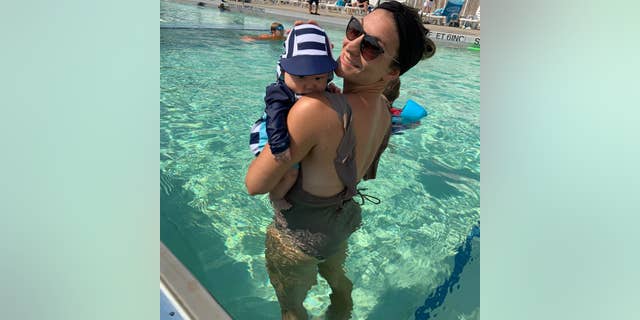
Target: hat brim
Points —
{"points": [[308, 65]]}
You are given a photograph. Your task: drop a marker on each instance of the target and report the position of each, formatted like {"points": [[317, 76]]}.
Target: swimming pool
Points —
{"points": [[212, 88]]}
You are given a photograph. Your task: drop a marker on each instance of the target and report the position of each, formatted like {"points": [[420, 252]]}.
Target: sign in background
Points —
{"points": [[454, 38]]}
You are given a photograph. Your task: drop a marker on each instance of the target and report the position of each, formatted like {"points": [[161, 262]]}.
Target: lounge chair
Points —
{"points": [[321, 4], [471, 21], [337, 6], [355, 10], [435, 17], [452, 10]]}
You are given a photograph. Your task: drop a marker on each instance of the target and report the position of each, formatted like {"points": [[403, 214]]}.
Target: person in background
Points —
{"points": [[311, 2], [277, 33], [427, 6], [362, 4]]}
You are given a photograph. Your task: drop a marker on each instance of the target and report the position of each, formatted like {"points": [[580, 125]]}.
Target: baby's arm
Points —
{"points": [[280, 190], [278, 100]]}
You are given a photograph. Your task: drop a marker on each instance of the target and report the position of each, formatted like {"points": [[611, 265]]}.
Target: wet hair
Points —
{"points": [[414, 45], [392, 91], [276, 26]]}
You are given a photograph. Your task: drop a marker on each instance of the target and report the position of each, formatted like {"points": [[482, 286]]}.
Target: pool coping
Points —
{"points": [[187, 294]]}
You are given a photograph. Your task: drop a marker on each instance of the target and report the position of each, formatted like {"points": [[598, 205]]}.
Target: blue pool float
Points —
{"points": [[402, 119], [411, 113]]}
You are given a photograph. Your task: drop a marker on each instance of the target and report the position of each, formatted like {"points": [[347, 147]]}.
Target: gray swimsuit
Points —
{"points": [[318, 225]]}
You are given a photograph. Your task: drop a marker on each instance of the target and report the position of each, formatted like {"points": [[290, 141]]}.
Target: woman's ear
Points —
{"points": [[394, 73]]}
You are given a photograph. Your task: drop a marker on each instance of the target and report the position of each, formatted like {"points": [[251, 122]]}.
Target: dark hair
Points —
{"points": [[392, 91], [414, 43], [276, 26]]}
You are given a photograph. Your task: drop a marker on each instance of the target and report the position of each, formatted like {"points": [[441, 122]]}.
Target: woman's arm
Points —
{"points": [[265, 171]]}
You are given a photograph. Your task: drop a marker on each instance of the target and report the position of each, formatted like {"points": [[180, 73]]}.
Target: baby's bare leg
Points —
{"points": [[280, 190]]}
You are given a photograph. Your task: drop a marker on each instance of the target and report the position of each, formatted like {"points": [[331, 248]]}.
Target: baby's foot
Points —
{"points": [[280, 204]]}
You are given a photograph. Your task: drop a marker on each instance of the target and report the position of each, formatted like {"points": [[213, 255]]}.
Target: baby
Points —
{"points": [[306, 66]]}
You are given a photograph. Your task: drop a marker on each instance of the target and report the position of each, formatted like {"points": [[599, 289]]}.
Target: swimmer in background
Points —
{"points": [[277, 33]]}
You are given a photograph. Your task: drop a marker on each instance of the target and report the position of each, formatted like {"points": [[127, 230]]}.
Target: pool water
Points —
{"points": [[212, 89]]}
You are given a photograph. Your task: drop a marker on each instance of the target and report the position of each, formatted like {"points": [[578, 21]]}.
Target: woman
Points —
{"points": [[337, 139]]}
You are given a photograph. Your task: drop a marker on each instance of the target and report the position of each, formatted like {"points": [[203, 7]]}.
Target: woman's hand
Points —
{"points": [[283, 156], [333, 88]]}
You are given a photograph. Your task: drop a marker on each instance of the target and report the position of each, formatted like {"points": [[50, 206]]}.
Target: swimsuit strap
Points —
{"points": [[344, 162]]}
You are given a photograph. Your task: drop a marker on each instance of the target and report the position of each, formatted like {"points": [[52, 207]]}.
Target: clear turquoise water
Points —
{"points": [[212, 88]]}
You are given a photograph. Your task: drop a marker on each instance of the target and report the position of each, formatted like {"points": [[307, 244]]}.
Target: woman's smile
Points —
{"points": [[345, 61]]}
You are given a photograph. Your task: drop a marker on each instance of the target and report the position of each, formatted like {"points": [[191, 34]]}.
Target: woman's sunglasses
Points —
{"points": [[369, 47]]}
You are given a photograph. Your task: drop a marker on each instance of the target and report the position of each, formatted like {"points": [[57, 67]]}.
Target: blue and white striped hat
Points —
{"points": [[307, 51]]}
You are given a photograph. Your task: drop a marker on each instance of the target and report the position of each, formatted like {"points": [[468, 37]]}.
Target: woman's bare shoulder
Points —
{"points": [[310, 107], [311, 115]]}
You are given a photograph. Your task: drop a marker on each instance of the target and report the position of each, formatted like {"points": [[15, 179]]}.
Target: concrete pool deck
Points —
{"points": [[444, 35]]}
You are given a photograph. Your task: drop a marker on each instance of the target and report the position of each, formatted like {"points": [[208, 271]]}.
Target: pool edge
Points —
{"points": [[186, 290]]}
